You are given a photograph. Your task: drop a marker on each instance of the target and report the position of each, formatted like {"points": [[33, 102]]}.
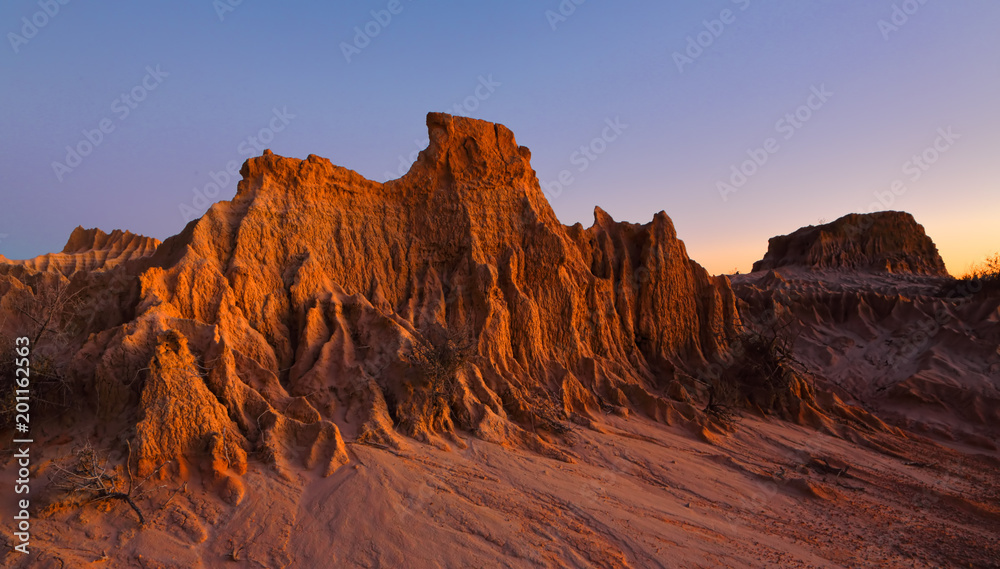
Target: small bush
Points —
{"points": [[89, 476], [987, 273], [988, 270], [437, 356], [981, 278], [760, 370], [724, 399], [46, 316], [49, 387]]}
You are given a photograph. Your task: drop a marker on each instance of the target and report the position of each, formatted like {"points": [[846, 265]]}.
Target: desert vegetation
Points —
{"points": [[759, 372], [987, 273], [45, 317], [982, 277], [436, 356], [90, 478], [988, 269]]}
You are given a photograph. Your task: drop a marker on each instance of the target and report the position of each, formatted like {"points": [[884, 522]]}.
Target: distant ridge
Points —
{"points": [[92, 250]]}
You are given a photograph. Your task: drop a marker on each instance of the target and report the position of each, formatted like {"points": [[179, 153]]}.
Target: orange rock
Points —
{"points": [[296, 309]]}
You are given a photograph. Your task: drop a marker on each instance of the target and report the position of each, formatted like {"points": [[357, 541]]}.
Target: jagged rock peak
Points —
{"points": [[885, 241], [91, 250], [82, 240], [462, 152], [337, 291], [469, 146]]}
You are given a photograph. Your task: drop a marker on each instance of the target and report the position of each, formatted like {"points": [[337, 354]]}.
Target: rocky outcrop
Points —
{"points": [[118, 242], [889, 331], [320, 319], [887, 241], [318, 306], [92, 250]]}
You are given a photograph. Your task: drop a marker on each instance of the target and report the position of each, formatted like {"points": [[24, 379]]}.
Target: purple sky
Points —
{"points": [[835, 105]]}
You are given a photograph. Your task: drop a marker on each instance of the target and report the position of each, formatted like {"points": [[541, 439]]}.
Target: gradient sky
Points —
{"points": [[890, 90]]}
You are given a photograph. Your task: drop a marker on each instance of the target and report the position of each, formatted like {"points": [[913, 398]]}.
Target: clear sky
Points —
{"points": [[829, 100]]}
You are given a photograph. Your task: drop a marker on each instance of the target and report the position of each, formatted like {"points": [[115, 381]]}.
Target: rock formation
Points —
{"points": [[318, 305], [883, 326], [92, 250], [887, 241], [319, 320]]}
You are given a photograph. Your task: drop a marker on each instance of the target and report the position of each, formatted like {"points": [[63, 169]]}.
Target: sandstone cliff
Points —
{"points": [[277, 359], [318, 305]]}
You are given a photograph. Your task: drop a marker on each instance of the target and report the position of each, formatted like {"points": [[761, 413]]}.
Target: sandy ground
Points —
{"points": [[642, 494]]}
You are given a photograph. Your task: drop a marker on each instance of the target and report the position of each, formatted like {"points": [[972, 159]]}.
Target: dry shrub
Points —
{"points": [[982, 278], [988, 270], [760, 372], [49, 387], [48, 314], [89, 476], [986, 274], [437, 356]]}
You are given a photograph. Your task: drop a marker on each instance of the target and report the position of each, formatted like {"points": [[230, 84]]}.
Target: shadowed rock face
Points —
{"points": [[882, 325], [887, 241], [318, 305]]}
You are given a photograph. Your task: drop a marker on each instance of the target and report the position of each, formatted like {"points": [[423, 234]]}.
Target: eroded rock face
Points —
{"points": [[918, 358], [887, 241], [318, 305], [118, 241], [92, 250], [882, 325]]}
